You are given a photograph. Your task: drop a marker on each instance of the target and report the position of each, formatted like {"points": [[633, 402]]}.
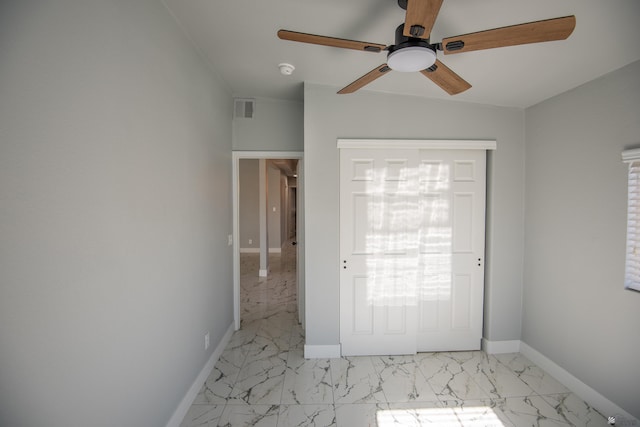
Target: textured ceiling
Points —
{"points": [[238, 39]]}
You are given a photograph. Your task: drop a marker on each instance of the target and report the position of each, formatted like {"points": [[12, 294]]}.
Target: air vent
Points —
{"points": [[244, 108]]}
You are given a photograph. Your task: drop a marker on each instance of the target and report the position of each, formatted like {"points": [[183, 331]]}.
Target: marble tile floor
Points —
{"points": [[262, 378]]}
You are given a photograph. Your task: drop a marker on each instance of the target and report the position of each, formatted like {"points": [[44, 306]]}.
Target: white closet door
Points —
{"points": [[378, 250], [412, 231], [451, 280]]}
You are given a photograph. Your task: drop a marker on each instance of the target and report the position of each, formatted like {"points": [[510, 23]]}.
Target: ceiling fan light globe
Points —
{"points": [[410, 59]]}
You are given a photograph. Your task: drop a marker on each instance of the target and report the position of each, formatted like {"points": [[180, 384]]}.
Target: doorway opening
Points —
{"points": [[268, 235]]}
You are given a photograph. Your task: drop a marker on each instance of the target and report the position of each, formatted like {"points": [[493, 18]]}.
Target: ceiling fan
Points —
{"points": [[413, 50]]}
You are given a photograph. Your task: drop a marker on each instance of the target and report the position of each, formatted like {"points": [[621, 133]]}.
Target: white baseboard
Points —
{"points": [[499, 347], [586, 393], [322, 351], [192, 393]]}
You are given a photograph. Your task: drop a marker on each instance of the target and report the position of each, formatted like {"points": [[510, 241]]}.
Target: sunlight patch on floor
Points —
{"points": [[480, 416]]}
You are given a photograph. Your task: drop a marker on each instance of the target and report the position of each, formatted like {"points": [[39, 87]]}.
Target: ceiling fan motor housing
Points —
{"points": [[410, 54], [403, 41]]}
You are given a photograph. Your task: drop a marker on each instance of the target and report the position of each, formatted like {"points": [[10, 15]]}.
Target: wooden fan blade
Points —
{"points": [[449, 81], [330, 41], [531, 32], [420, 17], [366, 79]]}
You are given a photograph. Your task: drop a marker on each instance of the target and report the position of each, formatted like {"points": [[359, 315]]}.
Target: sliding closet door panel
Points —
{"points": [[451, 284], [378, 240]]}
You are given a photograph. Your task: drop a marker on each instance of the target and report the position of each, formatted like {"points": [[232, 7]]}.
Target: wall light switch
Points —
{"points": [[274, 208], [206, 341], [230, 240]]}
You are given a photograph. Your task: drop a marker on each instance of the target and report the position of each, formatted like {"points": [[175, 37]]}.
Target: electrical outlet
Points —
{"points": [[206, 341], [250, 241]]}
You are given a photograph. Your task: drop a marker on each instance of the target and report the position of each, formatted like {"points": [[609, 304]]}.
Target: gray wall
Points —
{"points": [[576, 311], [115, 168], [277, 125], [368, 115], [273, 201], [248, 200], [249, 206]]}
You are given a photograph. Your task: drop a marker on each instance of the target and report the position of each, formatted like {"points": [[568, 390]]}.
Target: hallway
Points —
{"points": [[262, 378]]}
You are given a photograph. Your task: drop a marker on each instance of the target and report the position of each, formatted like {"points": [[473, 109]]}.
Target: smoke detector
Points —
{"points": [[286, 69]]}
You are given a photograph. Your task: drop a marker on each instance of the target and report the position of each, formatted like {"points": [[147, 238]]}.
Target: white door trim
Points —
{"points": [[434, 144], [236, 156]]}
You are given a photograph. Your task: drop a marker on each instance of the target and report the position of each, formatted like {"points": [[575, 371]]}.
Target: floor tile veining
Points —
{"points": [[263, 379]]}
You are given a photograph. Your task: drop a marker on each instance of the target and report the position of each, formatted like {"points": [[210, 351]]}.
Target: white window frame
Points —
{"points": [[632, 263]]}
